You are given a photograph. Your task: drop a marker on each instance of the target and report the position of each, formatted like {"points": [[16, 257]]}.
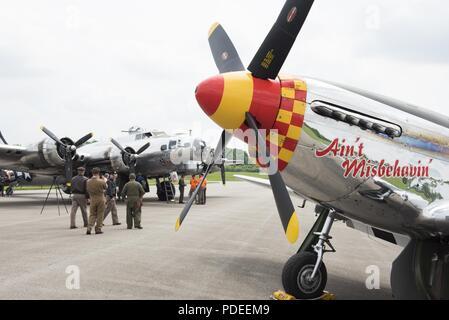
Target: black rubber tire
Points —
{"points": [[291, 278], [66, 189], [161, 192]]}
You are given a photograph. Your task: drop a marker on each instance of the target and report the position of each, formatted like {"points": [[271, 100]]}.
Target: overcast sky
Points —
{"points": [[103, 66]]}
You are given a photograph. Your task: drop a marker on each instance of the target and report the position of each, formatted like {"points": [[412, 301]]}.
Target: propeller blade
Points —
{"points": [[224, 140], [83, 140], [273, 52], [284, 204], [132, 163], [3, 138], [118, 145], [143, 148], [52, 135], [285, 207], [189, 204], [223, 174], [223, 156], [225, 55], [68, 168]]}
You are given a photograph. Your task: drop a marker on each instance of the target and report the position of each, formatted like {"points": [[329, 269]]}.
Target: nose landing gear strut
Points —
{"points": [[305, 275]]}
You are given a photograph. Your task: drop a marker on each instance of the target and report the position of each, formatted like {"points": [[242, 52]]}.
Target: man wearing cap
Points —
{"points": [[96, 187], [133, 193], [79, 198]]}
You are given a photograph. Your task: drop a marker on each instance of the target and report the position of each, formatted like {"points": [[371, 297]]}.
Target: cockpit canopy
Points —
{"points": [[141, 134]]}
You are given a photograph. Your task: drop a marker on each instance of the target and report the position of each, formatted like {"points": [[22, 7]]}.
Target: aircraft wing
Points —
{"points": [[261, 182], [374, 233], [11, 156], [233, 162]]}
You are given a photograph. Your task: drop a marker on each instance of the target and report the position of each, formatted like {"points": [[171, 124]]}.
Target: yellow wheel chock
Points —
{"points": [[282, 296]]}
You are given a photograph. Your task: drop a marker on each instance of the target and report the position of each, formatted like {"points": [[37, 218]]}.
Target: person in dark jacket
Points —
{"points": [[111, 197], [2, 183], [182, 186], [79, 198]]}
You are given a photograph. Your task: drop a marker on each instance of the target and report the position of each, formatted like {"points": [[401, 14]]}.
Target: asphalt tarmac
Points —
{"points": [[232, 248]]}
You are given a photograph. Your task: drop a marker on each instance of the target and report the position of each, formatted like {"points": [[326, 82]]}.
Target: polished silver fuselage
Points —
{"points": [[161, 158], [415, 206]]}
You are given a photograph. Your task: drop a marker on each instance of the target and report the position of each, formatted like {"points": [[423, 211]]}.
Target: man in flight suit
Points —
{"points": [[133, 192], [79, 198], [96, 187]]}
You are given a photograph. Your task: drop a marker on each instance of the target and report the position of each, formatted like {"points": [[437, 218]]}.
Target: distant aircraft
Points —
{"points": [[152, 154], [378, 164]]}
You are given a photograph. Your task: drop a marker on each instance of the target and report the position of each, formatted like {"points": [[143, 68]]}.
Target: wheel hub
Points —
{"points": [[305, 281]]}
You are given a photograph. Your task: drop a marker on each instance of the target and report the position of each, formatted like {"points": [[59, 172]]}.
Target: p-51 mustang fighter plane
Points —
{"points": [[152, 154], [376, 163]]}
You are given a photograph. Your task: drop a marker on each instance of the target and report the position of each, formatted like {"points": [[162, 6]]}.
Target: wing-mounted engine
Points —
{"points": [[199, 150], [62, 151], [207, 156], [126, 158], [52, 152]]}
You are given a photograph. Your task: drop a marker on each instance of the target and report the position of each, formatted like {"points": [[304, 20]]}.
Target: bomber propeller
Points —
{"points": [[265, 65], [67, 150], [3, 138], [129, 155]]}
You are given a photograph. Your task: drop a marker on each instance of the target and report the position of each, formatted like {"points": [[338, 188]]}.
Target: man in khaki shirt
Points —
{"points": [[133, 192], [96, 187]]}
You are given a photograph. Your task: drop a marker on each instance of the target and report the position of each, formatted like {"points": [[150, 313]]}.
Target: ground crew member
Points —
{"points": [[193, 184], [133, 192], [96, 188], [143, 181], [182, 186], [111, 195], [2, 183], [203, 190], [79, 198]]}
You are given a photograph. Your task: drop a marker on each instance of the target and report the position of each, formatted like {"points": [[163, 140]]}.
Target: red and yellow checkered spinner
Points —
{"points": [[278, 106]]}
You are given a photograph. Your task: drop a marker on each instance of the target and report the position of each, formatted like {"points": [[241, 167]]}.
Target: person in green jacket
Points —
{"points": [[133, 192]]}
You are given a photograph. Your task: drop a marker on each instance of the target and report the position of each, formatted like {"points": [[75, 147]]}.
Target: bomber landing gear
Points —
{"points": [[305, 275]]}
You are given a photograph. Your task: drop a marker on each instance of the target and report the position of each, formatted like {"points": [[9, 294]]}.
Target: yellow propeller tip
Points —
{"points": [[292, 231], [178, 225], [212, 28]]}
